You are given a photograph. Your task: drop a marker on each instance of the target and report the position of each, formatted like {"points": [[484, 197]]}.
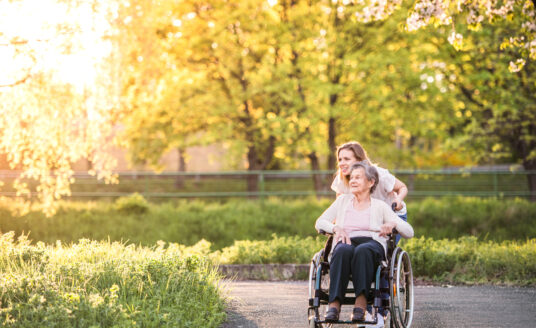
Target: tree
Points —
{"points": [[498, 105], [50, 116], [369, 86], [471, 14], [231, 62]]}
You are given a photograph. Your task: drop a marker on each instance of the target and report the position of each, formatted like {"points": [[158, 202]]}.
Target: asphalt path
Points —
{"points": [[255, 304]]}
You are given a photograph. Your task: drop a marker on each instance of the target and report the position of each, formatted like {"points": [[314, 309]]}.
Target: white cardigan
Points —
{"points": [[380, 213]]}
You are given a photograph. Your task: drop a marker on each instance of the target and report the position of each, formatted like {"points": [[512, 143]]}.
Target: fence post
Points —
{"points": [[495, 184], [261, 184]]}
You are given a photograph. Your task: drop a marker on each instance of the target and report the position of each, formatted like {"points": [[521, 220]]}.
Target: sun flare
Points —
{"points": [[64, 38]]}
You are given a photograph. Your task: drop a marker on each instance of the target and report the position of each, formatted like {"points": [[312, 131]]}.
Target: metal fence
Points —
{"points": [[166, 185]]}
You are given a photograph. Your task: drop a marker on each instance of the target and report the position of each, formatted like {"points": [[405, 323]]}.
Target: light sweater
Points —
{"points": [[380, 213]]}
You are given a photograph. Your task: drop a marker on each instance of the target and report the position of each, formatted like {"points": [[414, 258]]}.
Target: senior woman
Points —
{"points": [[360, 225]]}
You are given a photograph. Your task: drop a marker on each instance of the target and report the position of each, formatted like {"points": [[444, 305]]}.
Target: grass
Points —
{"points": [[110, 284], [463, 260], [135, 220], [105, 284]]}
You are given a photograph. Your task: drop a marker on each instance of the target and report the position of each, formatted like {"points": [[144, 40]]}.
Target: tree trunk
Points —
{"points": [[179, 181], [257, 162], [332, 161], [318, 182], [530, 165], [252, 179]]}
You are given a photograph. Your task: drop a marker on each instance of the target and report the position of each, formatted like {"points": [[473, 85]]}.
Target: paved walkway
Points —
{"points": [[284, 304]]}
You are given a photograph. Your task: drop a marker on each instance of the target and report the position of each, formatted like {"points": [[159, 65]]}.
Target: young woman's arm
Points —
{"points": [[401, 192]]}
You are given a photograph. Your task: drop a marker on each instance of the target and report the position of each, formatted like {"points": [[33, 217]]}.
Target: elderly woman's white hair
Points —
{"points": [[370, 172]]}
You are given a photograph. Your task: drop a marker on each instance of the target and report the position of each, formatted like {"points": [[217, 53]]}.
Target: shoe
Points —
{"points": [[358, 314], [332, 315]]}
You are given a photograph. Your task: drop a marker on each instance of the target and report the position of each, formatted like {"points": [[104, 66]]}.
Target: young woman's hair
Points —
{"points": [[356, 148], [370, 172]]}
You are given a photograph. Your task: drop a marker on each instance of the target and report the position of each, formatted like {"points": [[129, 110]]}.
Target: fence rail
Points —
{"points": [[421, 183]]}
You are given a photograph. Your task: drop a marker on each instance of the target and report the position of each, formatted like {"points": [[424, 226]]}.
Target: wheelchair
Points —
{"points": [[396, 270]]}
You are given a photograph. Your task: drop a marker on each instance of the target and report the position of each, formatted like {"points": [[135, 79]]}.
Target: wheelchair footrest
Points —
{"points": [[350, 322]]}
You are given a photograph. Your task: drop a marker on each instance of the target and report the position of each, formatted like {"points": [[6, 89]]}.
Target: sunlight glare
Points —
{"points": [[62, 38]]}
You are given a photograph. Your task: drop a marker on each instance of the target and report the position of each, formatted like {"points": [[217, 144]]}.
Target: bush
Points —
{"points": [[277, 250], [134, 220], [463, 260], [468, 260], [133, 204], [97, 284], [485, 218]]}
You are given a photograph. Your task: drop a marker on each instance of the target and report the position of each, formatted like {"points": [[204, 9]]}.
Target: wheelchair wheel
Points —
{"points": [[313, 311], [315, 261], [401, 289]]}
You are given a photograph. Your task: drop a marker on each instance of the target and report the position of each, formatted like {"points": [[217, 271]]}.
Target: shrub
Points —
{"points": [[468, 260], [463, 260], [277, 250], [133, 204], [102, 284], [485, 218], [187, 221]]}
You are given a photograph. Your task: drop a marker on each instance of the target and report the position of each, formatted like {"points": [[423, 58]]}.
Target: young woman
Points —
{"points": [[360, 225], [389, 189]]}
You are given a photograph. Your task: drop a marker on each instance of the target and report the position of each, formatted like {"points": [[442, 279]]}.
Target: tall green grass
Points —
{"points": [[462, 260], [105, 284], [486, 218], [134, 220], [468, 260]]}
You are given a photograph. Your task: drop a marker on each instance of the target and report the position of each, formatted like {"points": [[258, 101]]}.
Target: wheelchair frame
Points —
{"points": [[398, 273]]}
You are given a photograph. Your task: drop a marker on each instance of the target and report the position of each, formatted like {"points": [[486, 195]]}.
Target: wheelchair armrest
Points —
{"points": [[391, 237], [322, 232]]}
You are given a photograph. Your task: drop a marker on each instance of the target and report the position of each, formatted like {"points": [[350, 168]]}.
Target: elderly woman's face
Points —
{"points": [[359, 182]]}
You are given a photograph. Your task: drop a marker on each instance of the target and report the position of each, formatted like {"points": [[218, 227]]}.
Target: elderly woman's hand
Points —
{"points": [[340, 235], [387, 228]]}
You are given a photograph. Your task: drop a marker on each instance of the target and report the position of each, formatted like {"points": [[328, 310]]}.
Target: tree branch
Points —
{"points": [[16, 82]]}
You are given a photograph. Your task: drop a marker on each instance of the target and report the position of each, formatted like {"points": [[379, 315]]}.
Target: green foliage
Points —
{"points": [[187, 222], [133, 204], [496, 104], [468, 260], [462, 260], [277, 84], [277, 250], [102, 284], [486, 218]]}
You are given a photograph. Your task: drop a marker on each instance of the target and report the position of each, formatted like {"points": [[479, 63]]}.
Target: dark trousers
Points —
{"points": [[361, 259]]}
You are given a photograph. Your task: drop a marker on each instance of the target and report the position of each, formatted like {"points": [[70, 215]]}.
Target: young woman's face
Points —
{"points": [[359, 182], [346, 159]]}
